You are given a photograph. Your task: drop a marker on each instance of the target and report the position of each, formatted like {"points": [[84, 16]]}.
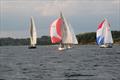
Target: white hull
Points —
{"points": [[106, 46], [65, 47], [61, 49]]}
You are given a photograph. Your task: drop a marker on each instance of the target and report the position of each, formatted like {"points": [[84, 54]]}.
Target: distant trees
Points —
{"points": [[116, 35], [84, 38], [90, 38], [44, 40], [11, 41]]}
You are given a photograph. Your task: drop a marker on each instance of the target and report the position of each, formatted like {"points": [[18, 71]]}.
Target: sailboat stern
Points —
{"points": [[32, 47], [107, 45]]}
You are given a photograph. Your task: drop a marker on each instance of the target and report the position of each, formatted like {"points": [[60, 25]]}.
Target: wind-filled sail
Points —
{"points": [[68, 36], [74, 39], [100, 34], [108, 35], [55, 31], [33, 35], [103, 35]]}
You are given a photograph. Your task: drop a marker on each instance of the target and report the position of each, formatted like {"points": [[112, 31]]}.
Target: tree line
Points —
{"points": [[84, 38], [90, 37]]}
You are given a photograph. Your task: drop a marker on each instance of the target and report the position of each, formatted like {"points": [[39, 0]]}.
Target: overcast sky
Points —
{"points": [[83, 15]]}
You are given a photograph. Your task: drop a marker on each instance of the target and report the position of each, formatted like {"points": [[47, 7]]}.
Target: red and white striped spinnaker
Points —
{"points": [[55, 31]]}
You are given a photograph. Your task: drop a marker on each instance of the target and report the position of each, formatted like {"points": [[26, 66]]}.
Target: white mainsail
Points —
{"points": [[74, 39], [33, 34], [107, 35], [68, 36]]}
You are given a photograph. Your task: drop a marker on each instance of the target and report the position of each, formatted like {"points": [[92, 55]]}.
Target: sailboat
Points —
{"points": [[33, 34], [104, 37], [62, 32]]}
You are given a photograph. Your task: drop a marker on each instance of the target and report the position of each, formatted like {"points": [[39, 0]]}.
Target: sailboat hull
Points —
{"points": [[108, 45], [61, 49], [32, 47]]}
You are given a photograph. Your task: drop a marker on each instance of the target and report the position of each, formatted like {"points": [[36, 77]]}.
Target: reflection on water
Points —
{"points": [[85, 62]]}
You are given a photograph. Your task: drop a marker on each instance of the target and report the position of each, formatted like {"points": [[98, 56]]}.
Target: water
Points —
{"points": [[86, 62]]}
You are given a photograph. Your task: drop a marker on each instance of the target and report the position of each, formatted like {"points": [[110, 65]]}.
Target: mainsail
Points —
{"points": [[68, 36], [33, 35], [104, 35]]}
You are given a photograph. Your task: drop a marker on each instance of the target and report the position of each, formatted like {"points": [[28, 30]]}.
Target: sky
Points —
{"points": [[83, 15]]}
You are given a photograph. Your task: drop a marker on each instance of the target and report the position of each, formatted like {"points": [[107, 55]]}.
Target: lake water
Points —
{"points": [[84, 62]]}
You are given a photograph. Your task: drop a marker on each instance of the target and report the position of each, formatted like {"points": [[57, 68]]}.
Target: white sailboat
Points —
{"points": [[104, 37], [33, 34], [61, 31]]}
